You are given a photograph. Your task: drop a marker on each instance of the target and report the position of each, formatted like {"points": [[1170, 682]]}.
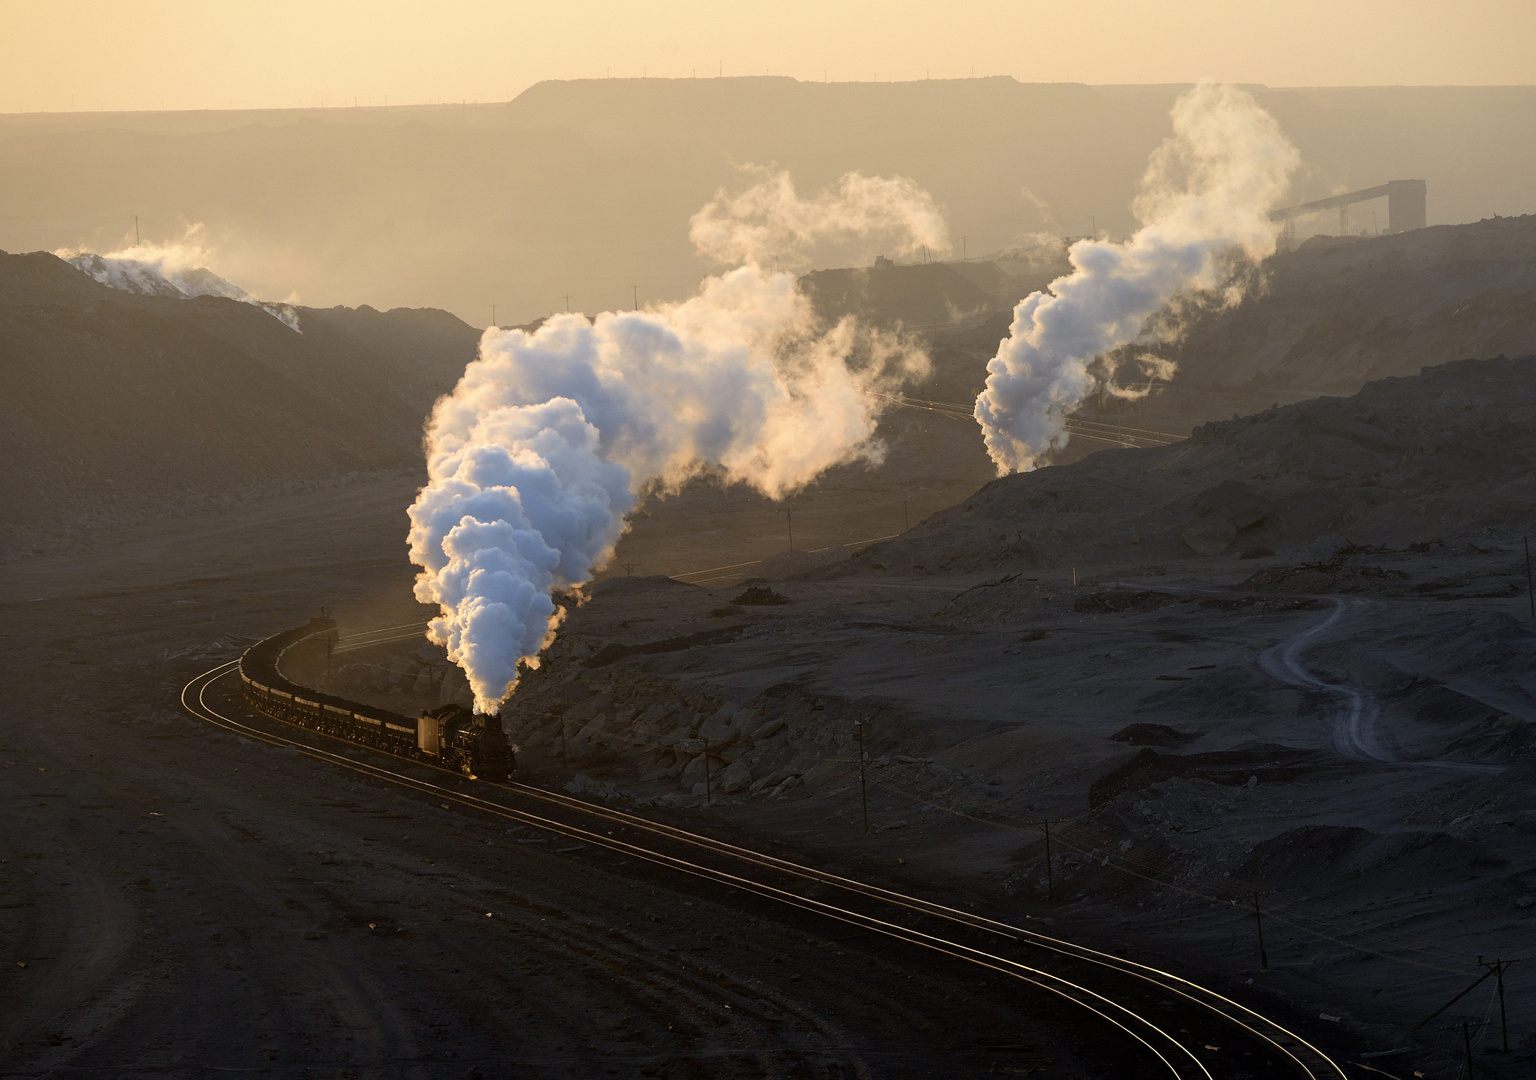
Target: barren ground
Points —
{"points": [[1341, 728], [177, 901]]}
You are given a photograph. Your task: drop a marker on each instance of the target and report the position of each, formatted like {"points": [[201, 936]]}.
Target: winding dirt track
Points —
{"points": [[1186, 1042], [1357, 727]]}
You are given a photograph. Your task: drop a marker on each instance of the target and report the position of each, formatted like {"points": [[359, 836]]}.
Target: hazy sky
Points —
{"points": [[177, 54]]}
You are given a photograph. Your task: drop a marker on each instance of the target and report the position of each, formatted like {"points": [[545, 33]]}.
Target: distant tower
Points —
{"points": [[1406, 205]]}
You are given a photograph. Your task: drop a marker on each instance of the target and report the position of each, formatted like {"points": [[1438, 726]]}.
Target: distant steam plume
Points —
{"points": [[177, 270], [1204, 203], [771, 221], [551, 438]]}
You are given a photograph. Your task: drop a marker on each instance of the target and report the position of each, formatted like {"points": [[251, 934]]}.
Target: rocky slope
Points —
{"points": [[1342, 310], [1446, 455], [119, 405], [1343, 722]]}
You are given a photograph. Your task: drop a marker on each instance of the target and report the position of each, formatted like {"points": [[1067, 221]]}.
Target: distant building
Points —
{"points": [[1405, 206]]}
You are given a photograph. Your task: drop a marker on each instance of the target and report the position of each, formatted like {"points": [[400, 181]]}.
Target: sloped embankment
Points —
{"points": [[1447, 454], [116, 405]]}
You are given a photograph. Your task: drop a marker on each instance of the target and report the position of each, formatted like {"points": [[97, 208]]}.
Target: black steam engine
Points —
{"points": [[451, 737]]}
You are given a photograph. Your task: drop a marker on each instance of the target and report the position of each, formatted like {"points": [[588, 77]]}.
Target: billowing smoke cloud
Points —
{"points": [[1204, 204], [552, 437], [770, 221], [177, 270]]}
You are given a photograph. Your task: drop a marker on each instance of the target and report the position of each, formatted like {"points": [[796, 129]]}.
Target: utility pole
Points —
{"points": [[636, 289], [1258, 923], [1466, 1040], [858, 726], [964, 241], [1497, 967], [493, 314], [1094, 226], [567, 303], [1050, 878], [135, 230], [1529, 591]]}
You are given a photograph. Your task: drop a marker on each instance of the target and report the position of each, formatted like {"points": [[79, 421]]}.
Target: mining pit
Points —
{"points": [[1289, 661]]}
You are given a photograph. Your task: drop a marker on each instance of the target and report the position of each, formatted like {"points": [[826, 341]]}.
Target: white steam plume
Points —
{"points": [[178, 270], [552, 437], [1204, 208], [771, 221]]}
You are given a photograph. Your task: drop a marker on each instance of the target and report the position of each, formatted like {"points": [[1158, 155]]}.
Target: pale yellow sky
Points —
{"points": [[56, 55]]}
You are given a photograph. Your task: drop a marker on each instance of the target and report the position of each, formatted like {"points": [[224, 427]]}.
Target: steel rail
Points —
{"points": [[1285, 1042], [1223, 1008], [1095, 1003], [1146, 438], [1276, 1036], [719, 571]]}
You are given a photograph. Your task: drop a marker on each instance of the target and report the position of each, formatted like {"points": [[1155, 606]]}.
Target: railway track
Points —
{"points": [[1197, 1032]]}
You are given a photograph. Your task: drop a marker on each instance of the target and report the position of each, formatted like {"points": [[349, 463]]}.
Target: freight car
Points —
{"points": [[451, 737]]}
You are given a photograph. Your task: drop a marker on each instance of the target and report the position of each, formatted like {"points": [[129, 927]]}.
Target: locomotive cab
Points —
{"points": [[473, 743]]}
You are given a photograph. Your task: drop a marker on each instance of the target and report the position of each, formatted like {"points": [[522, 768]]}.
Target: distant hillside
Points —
{"points": [[932, 295], [1341, 311], [1444, 456], [585, 187], [116, 405]]}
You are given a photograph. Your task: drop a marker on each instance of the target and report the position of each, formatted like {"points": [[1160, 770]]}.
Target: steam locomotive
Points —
{"points": [[450, 737]]}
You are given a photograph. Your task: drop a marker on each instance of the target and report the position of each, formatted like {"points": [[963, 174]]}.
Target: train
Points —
{"points": [[451, 736]]}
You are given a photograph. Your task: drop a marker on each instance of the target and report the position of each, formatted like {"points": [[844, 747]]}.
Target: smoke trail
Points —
{"points": [[1204, 203], [177, 270], [771, 221], [552, 437]]}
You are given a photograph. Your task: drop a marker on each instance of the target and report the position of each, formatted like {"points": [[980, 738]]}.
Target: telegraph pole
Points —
{"points": [[636, 290], [1258, 922], [1050, 878], [1497, 967], [858, 726], [135, 230], [1530, 592], [493, 314], [1466, 1040]]}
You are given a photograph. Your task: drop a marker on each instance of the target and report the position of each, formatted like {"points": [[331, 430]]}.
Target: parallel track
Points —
{"points": [[1166, 1054]]}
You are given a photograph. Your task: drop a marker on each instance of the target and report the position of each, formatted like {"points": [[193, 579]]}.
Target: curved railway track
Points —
{"points": [[1218, 1037]]}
